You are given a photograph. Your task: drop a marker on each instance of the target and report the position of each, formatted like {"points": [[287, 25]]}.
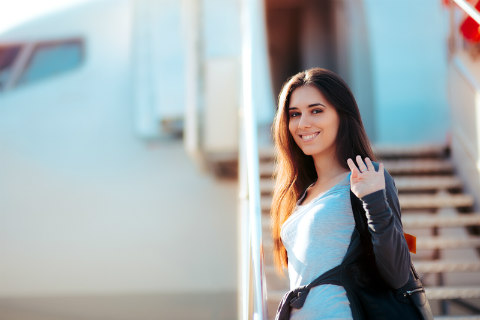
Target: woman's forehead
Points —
{"points": [[305, 95]]}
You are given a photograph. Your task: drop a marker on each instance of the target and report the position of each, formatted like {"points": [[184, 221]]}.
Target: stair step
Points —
{"points": [[410, 183], [447, 242], [423, 166], [446, 266], [265, 204], [432, 220], [266, 222], [266, 169], [266, 186], [426, 201], [452, 292], [266, 153], [396, 151], [424, 183], [414, 201]]}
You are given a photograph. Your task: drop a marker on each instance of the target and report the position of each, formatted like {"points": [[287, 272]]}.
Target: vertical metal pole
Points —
{"points": [[244, 223], [250, 99], [191, 18]]}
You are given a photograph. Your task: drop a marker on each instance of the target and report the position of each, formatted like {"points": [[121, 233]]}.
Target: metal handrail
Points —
{"points": [[467, 7], [463, 69], [474, 14], [253, 277]]}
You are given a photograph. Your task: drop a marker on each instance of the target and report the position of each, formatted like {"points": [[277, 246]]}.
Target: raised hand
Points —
{"points": [[364, 179]]}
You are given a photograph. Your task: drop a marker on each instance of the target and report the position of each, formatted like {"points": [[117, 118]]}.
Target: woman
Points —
{"points": [[323, 154]]}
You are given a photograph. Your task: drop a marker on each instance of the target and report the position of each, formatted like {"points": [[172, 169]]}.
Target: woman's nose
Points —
{"points": [[304, 122]]}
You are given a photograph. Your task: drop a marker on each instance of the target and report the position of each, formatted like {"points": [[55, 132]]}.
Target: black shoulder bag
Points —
{"points": [[369, 296], [375, 298]]}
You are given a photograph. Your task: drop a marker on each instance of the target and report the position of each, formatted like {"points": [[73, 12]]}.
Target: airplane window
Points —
{"points": [[8, 54], [52, 58]]}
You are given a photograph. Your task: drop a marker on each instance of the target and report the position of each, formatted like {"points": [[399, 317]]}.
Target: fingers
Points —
{"points": [[361, 164], [352, 167], [369, 164]]}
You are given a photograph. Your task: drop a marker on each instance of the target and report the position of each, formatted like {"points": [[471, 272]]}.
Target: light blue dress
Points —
{"points": [[316, 237]]}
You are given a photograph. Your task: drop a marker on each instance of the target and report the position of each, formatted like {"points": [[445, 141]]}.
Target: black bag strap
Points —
{"points": [[296, 298]]}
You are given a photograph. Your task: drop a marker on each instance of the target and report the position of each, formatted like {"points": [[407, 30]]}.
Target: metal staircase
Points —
{"points": [[433, 208]]}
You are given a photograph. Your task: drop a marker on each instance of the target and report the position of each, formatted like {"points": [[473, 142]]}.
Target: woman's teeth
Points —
{"points": [[309, 137]]}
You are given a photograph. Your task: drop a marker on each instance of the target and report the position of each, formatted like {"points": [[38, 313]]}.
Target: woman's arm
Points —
{"points": [[376, 188], [392, 255]]}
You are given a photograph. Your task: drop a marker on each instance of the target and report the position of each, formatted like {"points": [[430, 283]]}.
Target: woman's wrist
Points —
{"points": [[375, 201]]}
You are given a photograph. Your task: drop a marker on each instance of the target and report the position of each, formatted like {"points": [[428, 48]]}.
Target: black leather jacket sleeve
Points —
{"points": [[391, 251]]}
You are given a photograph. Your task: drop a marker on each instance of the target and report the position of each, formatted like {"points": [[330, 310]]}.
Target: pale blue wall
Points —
{"points": [[409, 69], [86, 206]]}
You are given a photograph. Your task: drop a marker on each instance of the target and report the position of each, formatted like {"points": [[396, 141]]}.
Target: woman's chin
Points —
{"points": [[316, 151], [308, 151]]}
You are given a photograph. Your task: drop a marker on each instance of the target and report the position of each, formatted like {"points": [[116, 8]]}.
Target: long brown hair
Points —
{"points": [[294, 170]]}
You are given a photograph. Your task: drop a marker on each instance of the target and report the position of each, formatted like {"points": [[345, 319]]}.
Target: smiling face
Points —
{"points": [[313, 121]]}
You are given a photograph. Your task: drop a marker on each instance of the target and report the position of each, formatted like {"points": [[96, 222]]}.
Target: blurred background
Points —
{"points": [[121, 123]]}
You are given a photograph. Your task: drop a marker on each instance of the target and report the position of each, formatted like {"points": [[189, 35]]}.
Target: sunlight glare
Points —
{"points": [[20, 11]]}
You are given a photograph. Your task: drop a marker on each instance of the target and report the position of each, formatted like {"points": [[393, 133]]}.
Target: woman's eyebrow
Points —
{"points": [[310, 105], [316, 104]]}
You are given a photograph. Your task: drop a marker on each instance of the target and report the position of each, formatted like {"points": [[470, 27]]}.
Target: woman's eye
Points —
{"points": [[294, 114], [317, 111]]}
